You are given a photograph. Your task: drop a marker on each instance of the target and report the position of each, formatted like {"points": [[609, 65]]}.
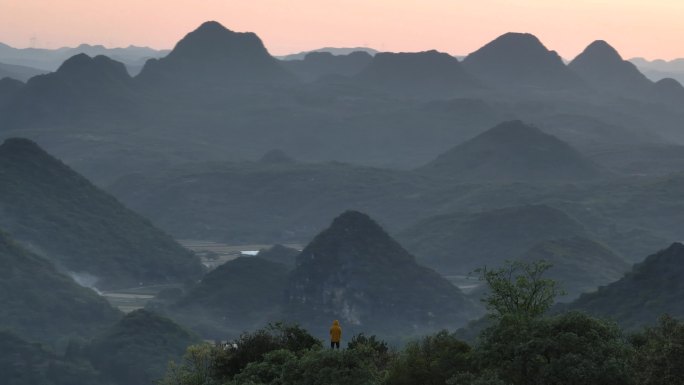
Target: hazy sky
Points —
{"points": [[649, 28]]}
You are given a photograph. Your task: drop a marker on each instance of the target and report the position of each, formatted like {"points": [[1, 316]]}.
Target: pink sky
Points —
{"points": [[648, 28]]}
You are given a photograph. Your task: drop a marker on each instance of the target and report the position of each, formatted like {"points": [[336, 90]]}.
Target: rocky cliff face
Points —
{"points": [[355, 272]]}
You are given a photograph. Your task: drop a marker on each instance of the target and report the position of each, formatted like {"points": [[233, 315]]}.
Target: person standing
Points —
{"points": [[335, 335]]}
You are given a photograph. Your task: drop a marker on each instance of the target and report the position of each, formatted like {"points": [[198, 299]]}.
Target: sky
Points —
{"points": [[653, 29]]}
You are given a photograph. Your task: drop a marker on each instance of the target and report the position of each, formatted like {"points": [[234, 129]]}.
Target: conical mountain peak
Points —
{"points": [[600, 65], [520, 60], [82, 66], [601, 49], [212, 38], [518, 40], [669, 83], [351, 221], [513, 129], [513, 151], [213, 53], [22, 147], [514, 44], [598, 54], [211, 25], [353, 271], [669, 90], [354, 235]]}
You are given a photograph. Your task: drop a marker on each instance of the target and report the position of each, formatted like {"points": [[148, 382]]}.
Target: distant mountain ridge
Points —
{"points": [[459, 243], [48, 60], [18, 72], [337, 51], [600, 65], [317, 65], [82, 85], [213, 53], [421, 73], [660, 69], [513, 151], [519, 60]]}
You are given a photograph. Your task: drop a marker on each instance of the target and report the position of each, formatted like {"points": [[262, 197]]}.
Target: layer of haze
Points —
{"points": [[651, 29]]}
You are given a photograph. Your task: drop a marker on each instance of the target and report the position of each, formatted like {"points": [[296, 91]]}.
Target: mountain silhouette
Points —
{"points": [[652, 288], [280, 253], [355, 272], [239, 295], [316, 65], [668, 90], [82, 86], [81, 228], [41, 304], [519, 60], [86, 69], [513, 151], [417, 74], [18, 72], [601, 66], [459, 243], [48, 60], [337, 51], [213, 53]]}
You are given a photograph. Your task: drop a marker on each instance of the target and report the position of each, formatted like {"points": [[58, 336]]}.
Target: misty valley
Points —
{"points": [[202, 215]]}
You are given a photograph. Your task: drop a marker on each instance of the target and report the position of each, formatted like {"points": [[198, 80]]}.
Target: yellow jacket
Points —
{"points": [[335, 332]]}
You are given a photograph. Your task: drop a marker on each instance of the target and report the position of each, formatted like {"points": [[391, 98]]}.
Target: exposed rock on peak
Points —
{"points": [[353, 271]]}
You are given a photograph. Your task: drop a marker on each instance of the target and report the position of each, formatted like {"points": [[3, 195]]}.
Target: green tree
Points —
{"points": [[431, 360], [487, 377], [313, 367], [377, 348], [252, 347], [194, 369], [519, 289], [571, 348], [659, 356]]}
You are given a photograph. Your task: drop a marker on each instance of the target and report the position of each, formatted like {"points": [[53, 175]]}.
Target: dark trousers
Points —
{"points": [[334, 345]]}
